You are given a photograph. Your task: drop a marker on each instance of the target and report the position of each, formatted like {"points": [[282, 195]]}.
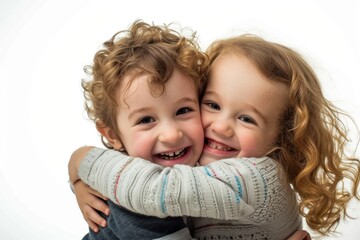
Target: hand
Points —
{"points": [[75, 161], [89, 201], [300, 235]]}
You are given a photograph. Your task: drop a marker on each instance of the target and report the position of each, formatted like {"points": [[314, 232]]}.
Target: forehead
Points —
{"points": [[143, 86], [238, 81], [140, 82]]}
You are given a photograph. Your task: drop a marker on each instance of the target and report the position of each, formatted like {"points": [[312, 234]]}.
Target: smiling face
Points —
{"points": [[163, 128], [240, 110]]}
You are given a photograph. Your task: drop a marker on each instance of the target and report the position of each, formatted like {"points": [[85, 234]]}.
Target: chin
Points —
{"points": [[205, 161]]}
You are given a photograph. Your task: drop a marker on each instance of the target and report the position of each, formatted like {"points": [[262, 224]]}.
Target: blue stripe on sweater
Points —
{"points": [[162, 197], [238, 183], [207, 171]]}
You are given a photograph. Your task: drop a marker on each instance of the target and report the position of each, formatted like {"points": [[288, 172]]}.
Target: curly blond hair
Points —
{"points": [[143, 49], [312, 140]]}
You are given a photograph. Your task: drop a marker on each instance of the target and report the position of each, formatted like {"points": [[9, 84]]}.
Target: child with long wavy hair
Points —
{"points": [[311, 145], [264, 110], [312, 142]]}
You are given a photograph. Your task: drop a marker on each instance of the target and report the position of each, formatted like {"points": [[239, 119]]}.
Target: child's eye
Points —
{"points": [[212, 105], [183, 110], [247, 119], [146, 120]]}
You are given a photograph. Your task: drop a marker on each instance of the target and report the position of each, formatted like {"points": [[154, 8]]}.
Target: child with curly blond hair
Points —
{"points": [[143, 96]]}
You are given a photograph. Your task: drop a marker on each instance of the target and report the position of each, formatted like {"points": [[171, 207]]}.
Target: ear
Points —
{"points": [[111, 137]]}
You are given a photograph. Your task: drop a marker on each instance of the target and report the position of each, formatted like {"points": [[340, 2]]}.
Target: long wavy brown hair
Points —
{"points": [[143, 49], [312, 142]]}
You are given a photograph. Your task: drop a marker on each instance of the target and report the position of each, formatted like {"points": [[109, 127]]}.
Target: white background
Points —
{"points": [[45, 43]]}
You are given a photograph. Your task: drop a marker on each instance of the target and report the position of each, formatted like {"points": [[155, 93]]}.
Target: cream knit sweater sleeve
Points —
{"points": [[226, 189]]}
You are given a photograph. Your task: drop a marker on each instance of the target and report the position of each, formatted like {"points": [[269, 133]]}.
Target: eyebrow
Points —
{"points": [[138, 111], [187, 99], [259, 113]]}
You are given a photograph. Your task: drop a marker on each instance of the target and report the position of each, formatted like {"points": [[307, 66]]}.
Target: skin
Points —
{"points": [[237, 116], [163, 128]]}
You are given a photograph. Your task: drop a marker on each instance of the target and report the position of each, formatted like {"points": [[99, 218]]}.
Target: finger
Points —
{"points": [[300, 235], [92, 216], [99, 205], [92, 225], [94, 192], [82, 187]]}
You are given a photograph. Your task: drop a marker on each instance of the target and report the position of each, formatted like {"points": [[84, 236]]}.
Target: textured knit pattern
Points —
{"points": [[245, 198]]}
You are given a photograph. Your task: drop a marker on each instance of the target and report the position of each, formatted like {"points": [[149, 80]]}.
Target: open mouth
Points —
{"points": [[173, 155], [218, 146]]}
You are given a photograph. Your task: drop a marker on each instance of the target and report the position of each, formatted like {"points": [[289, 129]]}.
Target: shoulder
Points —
{"points": [[262, 164], [265, 169]]}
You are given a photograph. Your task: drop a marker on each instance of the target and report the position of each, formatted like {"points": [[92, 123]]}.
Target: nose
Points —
{"points": [[170, 134], [223, 128]]}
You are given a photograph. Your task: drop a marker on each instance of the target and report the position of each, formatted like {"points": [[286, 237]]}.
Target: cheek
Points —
{"points": [[206, 119], [139, 145], [251, 145], [196, 133]]}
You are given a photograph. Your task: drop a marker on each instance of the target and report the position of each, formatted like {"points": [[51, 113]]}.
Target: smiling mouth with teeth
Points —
{"points": [[217, 146], [173, 155]]}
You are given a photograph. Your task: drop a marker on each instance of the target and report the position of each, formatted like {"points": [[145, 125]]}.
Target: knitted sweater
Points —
{"points": [[245, 198]]}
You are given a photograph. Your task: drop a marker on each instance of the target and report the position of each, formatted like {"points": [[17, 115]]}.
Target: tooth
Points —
{"points": [[171, 155], [218, 146]]}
